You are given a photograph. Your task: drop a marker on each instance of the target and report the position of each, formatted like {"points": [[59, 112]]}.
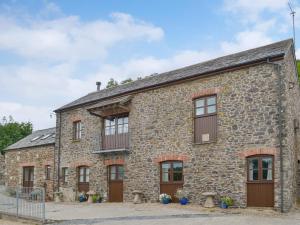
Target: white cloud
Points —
{"points": [[39, 116], [70, 39]]}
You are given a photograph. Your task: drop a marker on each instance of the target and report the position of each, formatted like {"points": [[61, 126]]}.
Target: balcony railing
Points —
{"points": [[114, 143]]}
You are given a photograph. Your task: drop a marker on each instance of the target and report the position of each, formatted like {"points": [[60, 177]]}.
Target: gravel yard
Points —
{"points": [[144, 214]]}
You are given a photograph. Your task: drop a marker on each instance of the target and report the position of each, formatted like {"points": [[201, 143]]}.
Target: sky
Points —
{"points": [[53, 52]]}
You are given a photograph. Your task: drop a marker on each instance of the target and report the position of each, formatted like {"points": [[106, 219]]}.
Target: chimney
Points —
{"points": [[98, 83]]}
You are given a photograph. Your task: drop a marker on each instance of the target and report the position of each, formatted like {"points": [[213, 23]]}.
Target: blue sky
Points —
{"points": [[52, 52]]}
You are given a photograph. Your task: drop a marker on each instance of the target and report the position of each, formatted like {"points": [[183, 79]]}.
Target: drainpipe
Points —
{"points": [[58, 154], [280, 89]]}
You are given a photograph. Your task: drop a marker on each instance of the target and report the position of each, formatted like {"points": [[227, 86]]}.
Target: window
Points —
{"points": [[172, 172], [47, 172], [116, 125], [115, 135], [205, 125], [64, 174], [77, 130], [84, 175], [116, 172], [260, 169]]}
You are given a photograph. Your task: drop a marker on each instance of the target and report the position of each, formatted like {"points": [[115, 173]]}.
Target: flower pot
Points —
{"points": [[183, 201], [165, 201], [82, 199], [223, 205]]}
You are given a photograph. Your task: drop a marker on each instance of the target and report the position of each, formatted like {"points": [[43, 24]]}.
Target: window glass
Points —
{"points": [[211, 109], [253, 169], [199, 111], [126, 120], [120, 172], [113, 172], [177, 176], [211, 100], [31, 175], [65, 174], [177, 166], [87, 175], [267, 168], [166, 172], [77, 130], [199, 103]]}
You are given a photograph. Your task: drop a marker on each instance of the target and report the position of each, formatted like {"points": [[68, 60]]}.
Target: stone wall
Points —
{"points": [[2, 169], [161, 127], [38, 157], [292, 140]]}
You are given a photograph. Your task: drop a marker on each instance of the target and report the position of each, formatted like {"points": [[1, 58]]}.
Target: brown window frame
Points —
{"points": [[116, 124], [77, 130], [171, 172], [260, 169], [117, 173], [47, 172], [205, 106], [85, 174], [64, 175]]}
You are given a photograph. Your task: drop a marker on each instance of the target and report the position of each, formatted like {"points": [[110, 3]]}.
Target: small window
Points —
{"points": [[47, 172], [77, 130], [205, 106], [116, 172], [260, 169], [172, 172], [84, 175], [116, 125], [64, 174]]}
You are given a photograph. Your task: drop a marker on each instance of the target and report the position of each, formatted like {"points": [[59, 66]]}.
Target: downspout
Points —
{"points": [[280, 90], [58, 154]]}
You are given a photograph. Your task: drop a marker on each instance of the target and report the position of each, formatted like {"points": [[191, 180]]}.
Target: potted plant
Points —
{"points": [[165, 198], [95, 198], [226, 202], [82, 197], [182, 196]]}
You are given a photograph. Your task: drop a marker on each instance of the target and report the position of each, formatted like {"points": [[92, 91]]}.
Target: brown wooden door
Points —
{"points": [[116, 174], [260, 185], [83, 179], [171, 178], [28, 176]]}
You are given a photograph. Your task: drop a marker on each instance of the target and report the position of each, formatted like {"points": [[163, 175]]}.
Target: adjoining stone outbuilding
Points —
{"points": [[30, 161], [229, 125]]}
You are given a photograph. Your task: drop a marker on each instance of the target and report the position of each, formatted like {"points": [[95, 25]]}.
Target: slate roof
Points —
{"points": [[37, 138], [215, 65]]}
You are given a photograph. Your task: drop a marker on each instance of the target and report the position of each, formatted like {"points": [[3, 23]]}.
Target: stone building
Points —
{"points": [[30, 161], [2, 169], [228, 125]]}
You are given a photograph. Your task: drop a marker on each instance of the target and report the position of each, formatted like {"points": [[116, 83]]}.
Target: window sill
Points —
{"points": [[110, 150], [76, 141], [204, 143]]}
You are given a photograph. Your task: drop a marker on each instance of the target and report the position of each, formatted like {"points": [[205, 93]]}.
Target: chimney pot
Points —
{"points": [[98, 83]]}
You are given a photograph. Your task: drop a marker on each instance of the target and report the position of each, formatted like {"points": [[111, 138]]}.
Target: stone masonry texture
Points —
{"points": [[38, 157], [161, 127]]}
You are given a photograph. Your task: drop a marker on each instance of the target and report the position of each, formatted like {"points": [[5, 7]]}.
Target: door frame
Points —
{"points": [[171, 182], [116, 180], [260, 170]]}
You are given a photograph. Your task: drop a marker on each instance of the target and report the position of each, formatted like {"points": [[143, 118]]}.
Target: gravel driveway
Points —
{"points": [[144, 214]]}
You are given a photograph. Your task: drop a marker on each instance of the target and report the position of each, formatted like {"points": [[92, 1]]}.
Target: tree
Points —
{"points": [[129, 80], [112, 83], [12, 131]]}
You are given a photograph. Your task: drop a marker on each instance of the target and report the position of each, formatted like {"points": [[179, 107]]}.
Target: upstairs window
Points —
{"points": [[205, 123], [77, 130], [47, 172], [116, 133], [116, 125]]}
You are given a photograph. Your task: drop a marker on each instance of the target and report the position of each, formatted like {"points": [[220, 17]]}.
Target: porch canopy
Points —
{"points": [[111, 107]]}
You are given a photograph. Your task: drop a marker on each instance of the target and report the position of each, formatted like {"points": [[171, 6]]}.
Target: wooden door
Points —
{"points": [[83, 179], [260, 185], [171, 178], [28, 177], [116, 174]]}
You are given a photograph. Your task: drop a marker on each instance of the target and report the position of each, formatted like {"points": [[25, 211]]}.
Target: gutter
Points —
{"points": [[192, 77], [58, 154], [280, 90]]}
